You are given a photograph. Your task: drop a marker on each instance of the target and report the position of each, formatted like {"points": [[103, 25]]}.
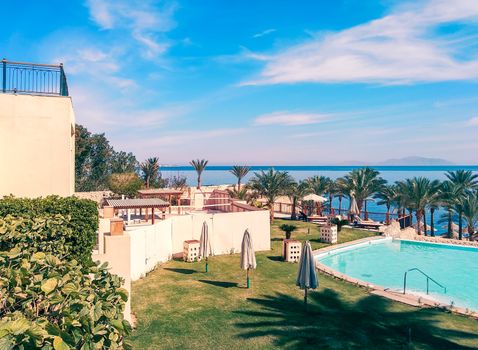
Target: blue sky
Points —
{"points": [[264, 82]]}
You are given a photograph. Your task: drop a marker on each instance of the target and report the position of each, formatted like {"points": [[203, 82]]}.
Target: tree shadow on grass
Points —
{"points": [[331, 323], [183, 271], [220, 283]]}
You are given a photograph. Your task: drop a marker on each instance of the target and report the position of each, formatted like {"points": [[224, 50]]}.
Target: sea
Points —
{"points": [[220, 175]]}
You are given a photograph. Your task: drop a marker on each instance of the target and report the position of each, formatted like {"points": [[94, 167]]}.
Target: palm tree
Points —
{"points": [[363, 183], [416, 192], [470, 212], [449, 194], [386, 196], [270, 185], [340, 191], [434, 201], [239, 171], [332, 190], [199, 165], [465, 181], [318, 185], [241, 194], [149, 170], [296, 192], [458, 209]]}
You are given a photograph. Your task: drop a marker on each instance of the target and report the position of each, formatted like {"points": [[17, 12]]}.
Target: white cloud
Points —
{"points": [[152, 47], [99, 112], [289, 119], [189, 136], [264, 32], [399, 48], [144, 19], [85, 59], [473, 121]]}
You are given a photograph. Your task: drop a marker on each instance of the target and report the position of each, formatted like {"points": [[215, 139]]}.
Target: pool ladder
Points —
{"points": [[424, 274]]}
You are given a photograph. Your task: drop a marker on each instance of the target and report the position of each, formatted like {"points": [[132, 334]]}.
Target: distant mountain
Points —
{"points": [[415, 161]]}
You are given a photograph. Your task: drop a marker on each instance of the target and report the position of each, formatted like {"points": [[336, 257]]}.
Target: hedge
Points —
{"points": [[48, 303], [49, 217]]}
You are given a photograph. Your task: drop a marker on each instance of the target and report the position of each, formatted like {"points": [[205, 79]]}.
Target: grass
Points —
{"points": [[180, 306]]}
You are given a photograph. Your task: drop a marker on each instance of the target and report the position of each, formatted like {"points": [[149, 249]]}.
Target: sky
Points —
{"points": [[263, 82]]}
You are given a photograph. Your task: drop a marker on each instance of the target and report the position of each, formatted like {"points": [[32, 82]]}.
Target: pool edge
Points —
{"points": [[408, 299]]}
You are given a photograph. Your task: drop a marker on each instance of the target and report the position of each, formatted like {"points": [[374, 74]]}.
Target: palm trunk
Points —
{"points": [[425, 222], [471, 231], [331, 209], [340, 205], [387, 218], [199, 182], [366, 213], [238, 185], [460, 226], [293, 214], [418, 215], [450, 233], [432, 224], [271, 212]]}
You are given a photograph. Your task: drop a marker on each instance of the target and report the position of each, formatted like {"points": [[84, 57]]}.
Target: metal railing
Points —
{"points": [[424, 274], [33, 78]]}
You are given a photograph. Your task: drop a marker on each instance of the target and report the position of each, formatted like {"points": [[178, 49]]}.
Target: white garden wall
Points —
{"points": [[154, 244]]}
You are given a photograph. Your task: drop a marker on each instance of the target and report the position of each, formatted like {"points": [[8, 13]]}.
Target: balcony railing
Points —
{"points": [[33, 78]]}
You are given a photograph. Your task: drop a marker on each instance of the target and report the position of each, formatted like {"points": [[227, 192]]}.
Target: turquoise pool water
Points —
{"points": [[384, 262]]}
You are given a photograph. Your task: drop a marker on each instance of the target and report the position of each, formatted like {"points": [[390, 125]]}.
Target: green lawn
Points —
{"points": [[178, 306]]}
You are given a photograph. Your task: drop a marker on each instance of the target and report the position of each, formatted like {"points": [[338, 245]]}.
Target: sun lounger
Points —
{"points": [[318, 219], [368, 224]]}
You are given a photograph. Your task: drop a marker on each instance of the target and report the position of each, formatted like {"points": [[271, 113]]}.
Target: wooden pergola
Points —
{"points": [[139, 203], [162, 193]]}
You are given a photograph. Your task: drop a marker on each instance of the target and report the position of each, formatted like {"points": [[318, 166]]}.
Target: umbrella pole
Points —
{"points": [[248, 280], [305, 298]]}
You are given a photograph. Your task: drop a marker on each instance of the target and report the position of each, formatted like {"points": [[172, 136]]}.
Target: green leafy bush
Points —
{"points": [[45, 234], [48, 217], [339, 223], [125, 183], [288, 229], [47, 303]]}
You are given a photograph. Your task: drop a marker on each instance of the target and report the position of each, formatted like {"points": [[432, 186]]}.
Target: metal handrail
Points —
{"points": [[424, 274], [33, 78]]}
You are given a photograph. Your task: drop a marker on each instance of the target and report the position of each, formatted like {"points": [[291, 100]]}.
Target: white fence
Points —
{"points": [[154, 244]]}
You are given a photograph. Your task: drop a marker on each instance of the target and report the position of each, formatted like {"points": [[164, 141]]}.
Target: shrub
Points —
{"points": [[288, 229], [52, 304], [45, 234], [126, 183], [339, 223], [48, 217]]}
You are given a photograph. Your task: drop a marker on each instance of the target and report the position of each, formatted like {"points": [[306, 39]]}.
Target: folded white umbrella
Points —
{"points": [[307, 275], [248, 257], [204, 244]]}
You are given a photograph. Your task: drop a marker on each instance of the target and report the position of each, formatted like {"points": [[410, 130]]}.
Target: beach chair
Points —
{"points": [[367, 224]]}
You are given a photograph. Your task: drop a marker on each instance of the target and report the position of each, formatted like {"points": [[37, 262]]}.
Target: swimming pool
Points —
{"points": [[384, 262]]}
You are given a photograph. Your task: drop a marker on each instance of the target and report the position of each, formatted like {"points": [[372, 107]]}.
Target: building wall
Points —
{"points": [[37, 145], [154, 244]]}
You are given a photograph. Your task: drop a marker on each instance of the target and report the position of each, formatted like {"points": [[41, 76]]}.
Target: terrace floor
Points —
{"points": [[180, 306]]}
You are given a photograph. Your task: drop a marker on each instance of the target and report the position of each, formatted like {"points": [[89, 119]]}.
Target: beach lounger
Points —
{"points": [[318, 219], [368, 224]]}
